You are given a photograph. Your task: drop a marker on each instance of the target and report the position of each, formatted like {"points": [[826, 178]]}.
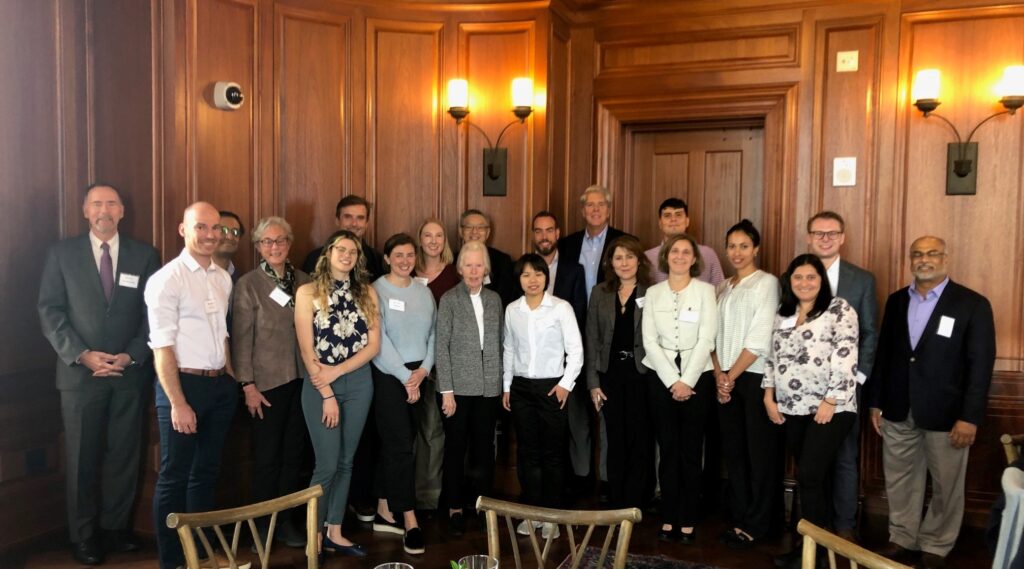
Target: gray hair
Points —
{"points": [[265, 223], [596, 189], [477, 247]]}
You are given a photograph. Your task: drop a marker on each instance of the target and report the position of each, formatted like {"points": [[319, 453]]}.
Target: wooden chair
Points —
{"points": [[622, 520], [1011, 446], [855, 554], [199, 521]]}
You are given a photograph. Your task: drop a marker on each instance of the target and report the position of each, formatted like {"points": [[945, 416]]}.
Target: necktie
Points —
{"points": [[107, 271]]}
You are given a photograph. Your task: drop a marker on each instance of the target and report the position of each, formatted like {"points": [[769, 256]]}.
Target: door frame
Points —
{"points": [[774, 106]]}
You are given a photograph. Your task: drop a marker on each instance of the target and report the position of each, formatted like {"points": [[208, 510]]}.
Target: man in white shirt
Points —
{"points": [[196, 396], [825, 237], [673, 219]]}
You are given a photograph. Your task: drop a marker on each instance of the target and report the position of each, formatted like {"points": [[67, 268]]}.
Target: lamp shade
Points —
{"points": [[1012, 84], [458, 94], [926, 85], [522, 92]]}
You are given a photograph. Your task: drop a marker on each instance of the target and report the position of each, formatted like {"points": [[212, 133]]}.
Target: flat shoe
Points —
{"points": [[669, 534], [688, 538], [354, 550]]}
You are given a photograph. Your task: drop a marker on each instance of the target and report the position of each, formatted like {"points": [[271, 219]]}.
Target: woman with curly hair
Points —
{"points": [[338, 326]]}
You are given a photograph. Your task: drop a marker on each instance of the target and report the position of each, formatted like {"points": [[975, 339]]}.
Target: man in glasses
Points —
{"points": [[826, 233], [231, 232], [927, 394], [475, 225]]}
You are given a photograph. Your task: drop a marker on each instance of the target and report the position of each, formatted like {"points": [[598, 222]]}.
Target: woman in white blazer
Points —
{"points": [[679, 327]]}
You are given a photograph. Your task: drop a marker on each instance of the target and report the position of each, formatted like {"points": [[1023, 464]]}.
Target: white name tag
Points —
{"points": [[946, 327], [395, 304], [788, 323], [130, 281], [210, 305], [281, 297], [689, 316], [640, 301], [422, 280], [487, 279]]}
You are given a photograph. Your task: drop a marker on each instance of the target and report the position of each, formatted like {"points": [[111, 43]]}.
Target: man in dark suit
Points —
{"points": [[231, 232], [588, 246], [826, 233], [927, 394], [351, 213], [91, 309], [567, 279], [475, 225]]}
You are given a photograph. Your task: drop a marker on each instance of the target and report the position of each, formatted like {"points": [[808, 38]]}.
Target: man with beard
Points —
{"points": [[231, 232], [567, 279]]}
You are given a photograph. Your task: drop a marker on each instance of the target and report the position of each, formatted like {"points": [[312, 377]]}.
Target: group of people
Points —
{"points": [[396, 366]]}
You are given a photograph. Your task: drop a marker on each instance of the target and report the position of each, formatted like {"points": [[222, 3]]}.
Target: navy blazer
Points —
{"points": [[943, 380], [569, 248], [75, 316], [571, 286]]}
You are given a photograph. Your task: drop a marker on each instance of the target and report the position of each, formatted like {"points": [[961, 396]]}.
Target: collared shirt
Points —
{"points": [[920, 310], [538, 341], [552, 269], [590, 257], [833, 276], [711, 273], [188, 308], [478, 310], [115, 246]]}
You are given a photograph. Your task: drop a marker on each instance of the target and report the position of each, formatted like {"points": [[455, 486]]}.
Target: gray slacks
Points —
{"points": [[909, 453]]}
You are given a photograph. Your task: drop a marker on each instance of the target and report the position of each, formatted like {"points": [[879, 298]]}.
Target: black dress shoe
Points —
{"points": [[88, 552], [456, 524], [120, 541]]}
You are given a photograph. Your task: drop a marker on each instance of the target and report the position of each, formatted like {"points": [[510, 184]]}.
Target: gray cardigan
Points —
{"points": [[601, 328], [461, 366]]}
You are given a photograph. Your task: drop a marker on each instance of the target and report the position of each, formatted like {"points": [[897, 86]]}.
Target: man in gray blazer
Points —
{"points": [[825, 236], [92, 311]]}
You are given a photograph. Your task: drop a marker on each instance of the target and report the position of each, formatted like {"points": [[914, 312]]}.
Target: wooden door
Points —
{"points": [[718, 172]]}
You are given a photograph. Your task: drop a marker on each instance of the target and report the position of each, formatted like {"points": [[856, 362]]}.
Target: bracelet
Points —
{"points": [[329, 397], [828, 402]]}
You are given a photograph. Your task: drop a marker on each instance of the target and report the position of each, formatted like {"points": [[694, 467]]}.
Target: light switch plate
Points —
{"points": [[844, 171], [846, 61]]}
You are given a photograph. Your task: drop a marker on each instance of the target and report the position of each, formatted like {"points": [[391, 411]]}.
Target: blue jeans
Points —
{"points": [[189, 464], [335, 448]]}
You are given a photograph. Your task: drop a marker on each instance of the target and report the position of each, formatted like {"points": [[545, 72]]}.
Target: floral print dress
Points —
{"points": [[340, 330], [814, 361]]}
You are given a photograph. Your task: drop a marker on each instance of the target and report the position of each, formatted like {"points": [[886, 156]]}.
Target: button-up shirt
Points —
{"points": [[538, 341], [711, 273], [552, 269], [115, 246], [683, 324], [833, 276], [590, 257], [188, 308], [920, 310]]}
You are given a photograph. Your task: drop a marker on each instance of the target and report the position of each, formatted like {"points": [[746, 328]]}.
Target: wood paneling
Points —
{"points": [[311, 70], [404, 137]]}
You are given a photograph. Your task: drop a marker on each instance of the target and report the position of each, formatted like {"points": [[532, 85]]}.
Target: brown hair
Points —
{"points": [[698, 262], [643, 268], [827, 214]]}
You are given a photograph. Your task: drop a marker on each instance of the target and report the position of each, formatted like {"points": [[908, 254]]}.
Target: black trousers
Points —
{"points": [[679, 427], [815, 446], [279, 442], [751, 447], [542, 436], [361, 492], [468, 432], [396, 426], [628, 428]]}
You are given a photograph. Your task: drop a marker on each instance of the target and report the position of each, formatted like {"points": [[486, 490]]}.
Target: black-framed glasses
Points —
{"points": [[823, 235], [280, 242], [225, 230]]}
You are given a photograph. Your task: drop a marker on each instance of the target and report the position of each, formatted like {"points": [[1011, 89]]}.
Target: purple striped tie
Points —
{"points": [[107, 271]]}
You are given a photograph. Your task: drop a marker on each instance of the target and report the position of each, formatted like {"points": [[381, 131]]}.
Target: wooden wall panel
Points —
{"points": [[559, 199], [491, 55], [311, 70], [723, 195], [404, 143], [224, 151]]}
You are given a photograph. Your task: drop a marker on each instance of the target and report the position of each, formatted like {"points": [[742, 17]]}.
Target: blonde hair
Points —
{"points": [[446, 253], [323, 282], [596, 189]]}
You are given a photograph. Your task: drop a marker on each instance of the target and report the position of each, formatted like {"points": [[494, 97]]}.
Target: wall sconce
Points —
{"points": [[961, 176], [495, 158]]}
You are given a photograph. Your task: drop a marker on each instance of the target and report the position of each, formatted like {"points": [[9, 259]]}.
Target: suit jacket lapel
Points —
{"points": [[638, 312], [87, 268]]}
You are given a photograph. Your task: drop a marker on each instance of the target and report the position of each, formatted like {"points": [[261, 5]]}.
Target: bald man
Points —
{"points": [[927, 393], [196, 396]]}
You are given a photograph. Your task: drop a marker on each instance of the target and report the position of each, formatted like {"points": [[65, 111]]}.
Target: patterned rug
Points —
{"points": [[633, 561]]}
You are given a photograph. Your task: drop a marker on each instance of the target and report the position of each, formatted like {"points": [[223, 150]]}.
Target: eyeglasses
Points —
{"points": [[476, 227], [280, 242], [237, 232], [823, 235], [933, 254]]}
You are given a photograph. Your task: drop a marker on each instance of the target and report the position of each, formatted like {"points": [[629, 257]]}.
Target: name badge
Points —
{"points": [[945, 327], [281, 297], [487, 279], [640, 301], [689, 315], [422, 280], [788, 323], [211, 306], [395, 304], [130, 281]]}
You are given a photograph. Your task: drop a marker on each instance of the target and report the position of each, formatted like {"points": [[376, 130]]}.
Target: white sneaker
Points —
{"points": [[524, 528], [550, 531]]}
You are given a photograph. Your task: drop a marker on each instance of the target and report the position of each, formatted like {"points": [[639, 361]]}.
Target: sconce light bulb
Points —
{"points": [[925, 91]]}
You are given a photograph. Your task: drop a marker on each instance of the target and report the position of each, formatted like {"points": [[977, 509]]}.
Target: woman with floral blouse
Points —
{"points": [[809, 381]]}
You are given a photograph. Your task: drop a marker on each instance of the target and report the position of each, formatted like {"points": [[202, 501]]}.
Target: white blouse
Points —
{"points": [[542, 343], [746, 313], [680, 323]]}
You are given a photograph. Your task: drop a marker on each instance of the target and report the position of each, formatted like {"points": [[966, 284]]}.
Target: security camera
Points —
{"points": [[227, 95]]}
